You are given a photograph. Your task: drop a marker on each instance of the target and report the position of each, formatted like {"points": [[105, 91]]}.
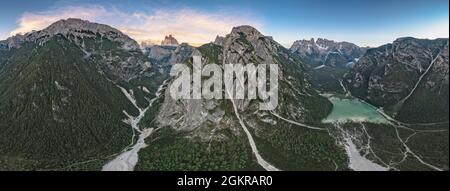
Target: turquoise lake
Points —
{"points": [[353, 110]]}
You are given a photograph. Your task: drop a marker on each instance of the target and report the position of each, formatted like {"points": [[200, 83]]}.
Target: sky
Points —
{"points": [[363, 22]]}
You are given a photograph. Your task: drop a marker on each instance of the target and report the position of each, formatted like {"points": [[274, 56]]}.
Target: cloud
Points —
{"points": [[187, 25]]}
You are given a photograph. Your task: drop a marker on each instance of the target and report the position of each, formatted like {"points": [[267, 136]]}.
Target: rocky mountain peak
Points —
{"points": [[77, 25], [169, 41], [324, 41], [75, 28], [245, 44], [247, 30]]}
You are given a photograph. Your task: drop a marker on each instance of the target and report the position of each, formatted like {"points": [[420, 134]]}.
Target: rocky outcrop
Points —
{"points": [[169, 41], [163, 57], [219, 40]]}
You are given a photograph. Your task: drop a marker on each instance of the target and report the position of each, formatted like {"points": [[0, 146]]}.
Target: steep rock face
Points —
{"points": [[181, 53], [163, 57], [159, 52], [246, 45], [386, 76], [327, 52], [216, 121], [169, 41]]}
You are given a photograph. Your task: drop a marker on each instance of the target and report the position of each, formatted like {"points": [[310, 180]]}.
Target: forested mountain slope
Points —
{"points": [[60, 97]]}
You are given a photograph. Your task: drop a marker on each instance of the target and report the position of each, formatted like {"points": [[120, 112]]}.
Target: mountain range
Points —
{"points": [[79, 95], [324, 52]]}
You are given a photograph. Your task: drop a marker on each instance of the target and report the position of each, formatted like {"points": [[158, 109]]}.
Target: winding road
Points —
{"points": [[297, 123]]}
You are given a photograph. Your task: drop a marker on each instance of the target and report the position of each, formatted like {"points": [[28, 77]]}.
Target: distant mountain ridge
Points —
{"points": [[328, 52], [328, 60]]}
